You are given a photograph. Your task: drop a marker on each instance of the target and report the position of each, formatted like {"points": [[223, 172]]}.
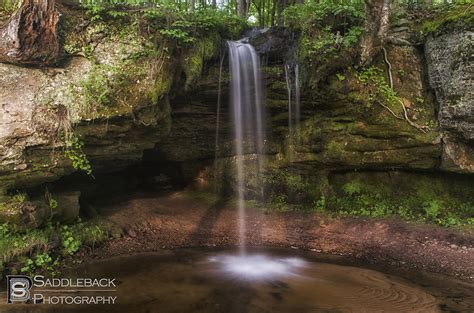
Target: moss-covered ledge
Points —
{"points": [[109, 99]]}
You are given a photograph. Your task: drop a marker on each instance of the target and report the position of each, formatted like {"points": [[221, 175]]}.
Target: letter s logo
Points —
{"points": [[18, 288]]}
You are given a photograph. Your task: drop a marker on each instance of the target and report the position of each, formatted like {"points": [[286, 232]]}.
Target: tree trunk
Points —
{"points": [[281, 8], [242, 8], [31, 35], [275, 3], [377, 13], [384, 20]]}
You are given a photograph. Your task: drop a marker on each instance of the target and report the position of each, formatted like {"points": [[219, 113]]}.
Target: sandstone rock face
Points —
{"points": [[451, 74], [129, 107], [115, 102]]}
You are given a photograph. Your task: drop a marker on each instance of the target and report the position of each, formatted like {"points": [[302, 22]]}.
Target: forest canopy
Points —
{"points": [[262, 13]]}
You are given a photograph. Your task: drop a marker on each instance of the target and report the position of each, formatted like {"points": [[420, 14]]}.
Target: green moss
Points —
{"points": [[13, 244], [373, 204], [453, 15], [411, 197], [275, 71], [421, 198], [193, 59], [11, 208], [288, 190], [32, 248], [324, 46], [334, 149], [161, 86], [108, 89]]}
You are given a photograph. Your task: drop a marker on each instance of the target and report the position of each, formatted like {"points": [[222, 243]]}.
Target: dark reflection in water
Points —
{"points": [[204, 281]]}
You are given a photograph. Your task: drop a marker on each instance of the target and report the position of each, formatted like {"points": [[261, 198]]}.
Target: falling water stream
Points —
{"points": [[294, 107], [293, 89], [248, 118], [218, 114]]}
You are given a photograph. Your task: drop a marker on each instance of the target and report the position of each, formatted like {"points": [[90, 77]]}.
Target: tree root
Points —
{"points": [[389, 65], [397, 41], [390, 110], [405, 112]]}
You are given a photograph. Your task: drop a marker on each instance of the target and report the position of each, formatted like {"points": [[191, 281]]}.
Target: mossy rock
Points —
{"points": [[454, 17], [25, 214]]}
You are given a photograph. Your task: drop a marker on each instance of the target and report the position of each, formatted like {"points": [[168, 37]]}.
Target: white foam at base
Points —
{"points": [[258, 267]]}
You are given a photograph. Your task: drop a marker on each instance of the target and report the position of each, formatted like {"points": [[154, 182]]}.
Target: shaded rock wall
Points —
{"points": [[342, 131], [451, 75], [111, 93]]}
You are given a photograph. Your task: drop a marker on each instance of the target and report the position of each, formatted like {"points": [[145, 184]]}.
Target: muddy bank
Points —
{"points": [[174, 220]]}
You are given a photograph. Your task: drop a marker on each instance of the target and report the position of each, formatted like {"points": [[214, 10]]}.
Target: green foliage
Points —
{"points": [[340, 77], [401, 72], [73, 150], [420, 100], [53, 204], [102, 10], [352, 188], [320, 204], [328, 31], [94, 10], [185, 28], [13, 204], [4, 230], [313, 14], [18, 199], [279, 202], [286, 190], [427, 201], [70, 243], [42, 262], [366, 201], [88, 233], [38, 250], [448, 15], [107, 88], [330, 43], [14, 244], [432, 209], [7, 7], [181, 36], [96, 87], [352, 36], [378, 90], [193, 59]]}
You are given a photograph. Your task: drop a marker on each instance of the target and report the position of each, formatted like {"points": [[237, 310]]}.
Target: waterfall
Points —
{"points": [[297, 96], [248, 119], [218, 113], [294, 106], [289, 87], [293, 89]]}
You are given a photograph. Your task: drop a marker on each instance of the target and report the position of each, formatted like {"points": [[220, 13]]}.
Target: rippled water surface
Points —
{"points": [[262, 281]]}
